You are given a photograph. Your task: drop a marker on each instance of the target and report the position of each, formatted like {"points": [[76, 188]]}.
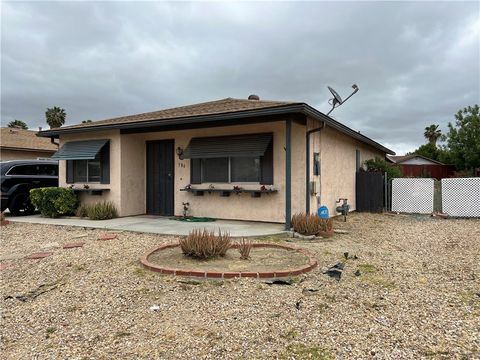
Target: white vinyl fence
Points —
{"points": [[411, 195], [457, 197], [461, 197]]}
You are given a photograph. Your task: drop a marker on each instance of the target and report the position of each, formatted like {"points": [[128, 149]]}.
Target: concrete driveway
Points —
{"points": [[159, 225]]}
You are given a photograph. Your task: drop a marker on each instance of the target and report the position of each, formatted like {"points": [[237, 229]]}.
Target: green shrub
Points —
{"points": [[204, 244], [54, 201], [102, 210], [381, 165]]}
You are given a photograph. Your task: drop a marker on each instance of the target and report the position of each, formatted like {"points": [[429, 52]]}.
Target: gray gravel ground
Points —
{"points": [[417, 296]]}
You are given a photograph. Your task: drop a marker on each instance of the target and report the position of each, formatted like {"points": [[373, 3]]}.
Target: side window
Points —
{"points": [[23, 170], [92, 170], [48, 170]]}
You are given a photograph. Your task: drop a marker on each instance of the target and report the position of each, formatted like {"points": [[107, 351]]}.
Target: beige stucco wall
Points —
{"points": [[9, 154], [240, 207], [128, 172], [338, 167]]}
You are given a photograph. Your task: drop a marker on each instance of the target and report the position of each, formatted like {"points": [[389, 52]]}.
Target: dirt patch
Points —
{"points": [[261, 259], [416, 296]]}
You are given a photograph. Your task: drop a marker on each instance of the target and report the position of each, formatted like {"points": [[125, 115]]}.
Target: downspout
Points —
{"points": [[52, 140], [307, 162]]}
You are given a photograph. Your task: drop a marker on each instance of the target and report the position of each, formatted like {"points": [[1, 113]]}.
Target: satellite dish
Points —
{"points": [[336, 98]]}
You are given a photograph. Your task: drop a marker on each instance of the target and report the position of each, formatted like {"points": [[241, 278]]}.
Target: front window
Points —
{"points": [[86, 170], [231, 169], [215, 170], [245, 169]]}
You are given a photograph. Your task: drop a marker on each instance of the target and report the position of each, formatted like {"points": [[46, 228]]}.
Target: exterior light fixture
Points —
{"points": [[179, 152]]}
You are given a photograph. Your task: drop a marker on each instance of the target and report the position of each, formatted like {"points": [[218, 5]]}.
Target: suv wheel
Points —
{"points": [[21, 205]]}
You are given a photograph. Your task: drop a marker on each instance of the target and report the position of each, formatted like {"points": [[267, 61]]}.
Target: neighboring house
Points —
{"points": [[20, 144], [153, 162], [420, 166]]}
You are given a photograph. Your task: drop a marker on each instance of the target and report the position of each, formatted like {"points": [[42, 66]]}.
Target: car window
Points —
{"points": [[50, 170], [43, 169], [23, 170]]}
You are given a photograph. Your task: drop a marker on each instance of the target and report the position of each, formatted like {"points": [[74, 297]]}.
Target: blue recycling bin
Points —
{"points": [[323, 212]]}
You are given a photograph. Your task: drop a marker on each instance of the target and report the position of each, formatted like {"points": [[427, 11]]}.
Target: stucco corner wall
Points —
{"points": [[133, 175], [298, 167], [338, 167]]}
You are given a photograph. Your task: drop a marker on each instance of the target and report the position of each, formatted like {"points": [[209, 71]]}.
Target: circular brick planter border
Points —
{"points": [[312, 263]]}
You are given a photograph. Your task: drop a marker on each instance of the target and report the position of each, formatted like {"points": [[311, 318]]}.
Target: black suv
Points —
{"points": [[17, 177]]}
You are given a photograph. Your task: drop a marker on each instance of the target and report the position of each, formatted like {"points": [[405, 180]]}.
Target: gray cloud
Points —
{"points": [[415, 63]]}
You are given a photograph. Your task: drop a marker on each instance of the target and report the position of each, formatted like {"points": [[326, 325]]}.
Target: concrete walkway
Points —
{"points": [[159, 225]]}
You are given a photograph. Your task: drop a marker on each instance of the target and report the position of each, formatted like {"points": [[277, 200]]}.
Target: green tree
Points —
{"points": [[18, 124], [428, 150], [55, 117], [381, 165], [464, 138], [432, 134]]}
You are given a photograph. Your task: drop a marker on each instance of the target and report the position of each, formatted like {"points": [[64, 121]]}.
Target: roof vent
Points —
{"points": [[253, 97]]}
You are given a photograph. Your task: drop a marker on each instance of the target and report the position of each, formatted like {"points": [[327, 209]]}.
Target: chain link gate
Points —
{"points": [[411, 195], [457, 197], [461, 197]]}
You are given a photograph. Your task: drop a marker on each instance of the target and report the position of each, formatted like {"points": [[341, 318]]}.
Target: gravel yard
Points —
{"points": [[417, 295]]}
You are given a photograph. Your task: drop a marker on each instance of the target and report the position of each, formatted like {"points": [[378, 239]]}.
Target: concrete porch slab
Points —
{"points": [[160, 225]]}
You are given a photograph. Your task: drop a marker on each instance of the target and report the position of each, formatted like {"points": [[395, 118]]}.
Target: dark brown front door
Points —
{"points": [[160, 177]]}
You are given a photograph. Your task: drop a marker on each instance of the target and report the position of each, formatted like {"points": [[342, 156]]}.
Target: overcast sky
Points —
{"points": [[415, 63]]}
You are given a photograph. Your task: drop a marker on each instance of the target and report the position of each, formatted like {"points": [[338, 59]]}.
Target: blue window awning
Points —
{"points": [[80, 150]]}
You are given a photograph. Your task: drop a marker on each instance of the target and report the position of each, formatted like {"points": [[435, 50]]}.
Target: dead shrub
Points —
{"points": [[244, 247], [204, 244], [326, 227], [82, 211], [306, 224]]}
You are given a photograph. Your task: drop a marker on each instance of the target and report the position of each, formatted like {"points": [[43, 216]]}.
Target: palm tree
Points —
{"points": [[432, 134], [19, 124], [55, 117]]}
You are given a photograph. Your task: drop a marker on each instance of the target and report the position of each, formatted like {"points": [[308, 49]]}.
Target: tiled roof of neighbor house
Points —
{"points": [[14, 138], [219, 110], [227, 105], [398, 159]]}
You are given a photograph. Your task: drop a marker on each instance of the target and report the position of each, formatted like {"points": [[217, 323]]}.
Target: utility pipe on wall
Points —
{"points": [[307, 171]]}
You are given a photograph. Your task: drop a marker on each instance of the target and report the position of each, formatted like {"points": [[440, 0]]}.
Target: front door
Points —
{"points": [[160, 177]]}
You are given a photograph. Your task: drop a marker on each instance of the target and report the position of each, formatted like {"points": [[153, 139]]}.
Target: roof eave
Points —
{"points": [[283, 109], [15, 148], [301, 108], [344, 129]]}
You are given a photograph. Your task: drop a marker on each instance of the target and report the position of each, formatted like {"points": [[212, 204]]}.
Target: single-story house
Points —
{"points": [[20, 144], [415, 165], [229, 159]]}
